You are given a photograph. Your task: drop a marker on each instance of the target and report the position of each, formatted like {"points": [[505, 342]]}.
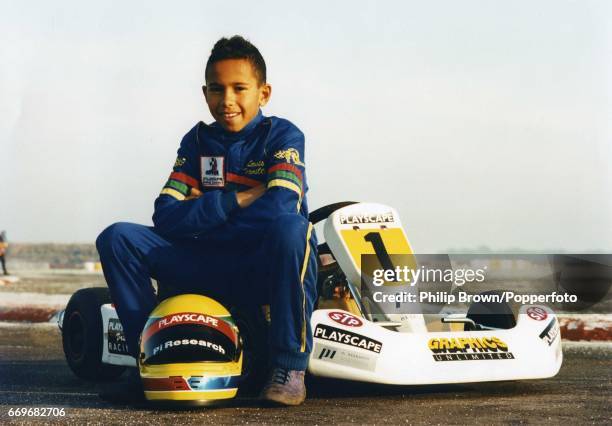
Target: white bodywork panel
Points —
{"points": [[112, 352], [406, 358]]}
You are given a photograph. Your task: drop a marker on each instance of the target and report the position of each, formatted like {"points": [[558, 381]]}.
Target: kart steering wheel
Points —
{"points": [[323, 213], [328, 271]]}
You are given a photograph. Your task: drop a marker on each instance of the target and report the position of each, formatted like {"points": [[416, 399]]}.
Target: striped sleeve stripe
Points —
{"points": [[286, 175], [173, 193], [180, 187], [285, 184], [287, 167], [182, 177], [243, 180]]}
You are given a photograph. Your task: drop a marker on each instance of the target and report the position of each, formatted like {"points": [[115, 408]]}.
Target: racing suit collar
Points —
{"points": [[226, 136]]}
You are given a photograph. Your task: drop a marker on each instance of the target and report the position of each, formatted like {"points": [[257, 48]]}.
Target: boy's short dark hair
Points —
{"points": [[237, 47]]}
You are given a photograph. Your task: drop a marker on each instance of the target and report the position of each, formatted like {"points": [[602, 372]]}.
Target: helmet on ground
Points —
{"points": [[190, 352]]}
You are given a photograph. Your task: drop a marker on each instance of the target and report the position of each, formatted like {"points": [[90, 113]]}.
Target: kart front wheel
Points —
{"points": [[82, 337], [490, 315]]}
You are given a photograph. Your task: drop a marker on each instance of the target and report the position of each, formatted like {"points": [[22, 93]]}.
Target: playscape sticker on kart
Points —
{"points": [[345, 357], [344, 337], [469, 349], [116, 339], [355, 219]]}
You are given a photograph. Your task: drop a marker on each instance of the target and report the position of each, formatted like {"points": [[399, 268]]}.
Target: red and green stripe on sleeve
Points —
{"points": [[286, 176], [179, 185]]}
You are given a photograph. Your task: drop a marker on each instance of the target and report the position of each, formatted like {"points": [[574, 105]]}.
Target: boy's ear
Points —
{"points": [[265, 94], [204, 91]]}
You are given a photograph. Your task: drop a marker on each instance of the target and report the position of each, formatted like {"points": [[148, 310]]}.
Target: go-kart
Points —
{"points": [[353, 337]]}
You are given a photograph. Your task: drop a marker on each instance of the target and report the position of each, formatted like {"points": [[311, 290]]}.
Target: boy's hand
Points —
{"points": [[246, 198], [195, 193]]}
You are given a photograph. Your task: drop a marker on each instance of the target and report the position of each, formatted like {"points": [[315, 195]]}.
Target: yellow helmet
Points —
{"points": [[190, 352]]}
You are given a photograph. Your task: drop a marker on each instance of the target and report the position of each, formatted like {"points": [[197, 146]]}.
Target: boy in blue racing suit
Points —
{"points": [[231, 221]]}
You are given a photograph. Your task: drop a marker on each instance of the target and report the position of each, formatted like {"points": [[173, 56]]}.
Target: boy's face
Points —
{"points": [[233, 93]]}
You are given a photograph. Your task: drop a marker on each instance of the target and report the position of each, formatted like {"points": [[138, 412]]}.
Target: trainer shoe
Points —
{"points": [[285, 387]]}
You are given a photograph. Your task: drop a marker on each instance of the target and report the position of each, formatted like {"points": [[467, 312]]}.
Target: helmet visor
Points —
{"points": [[189, 343]]}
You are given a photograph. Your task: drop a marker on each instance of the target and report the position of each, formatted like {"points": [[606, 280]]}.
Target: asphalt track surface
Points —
{"points": [[33, 374]]}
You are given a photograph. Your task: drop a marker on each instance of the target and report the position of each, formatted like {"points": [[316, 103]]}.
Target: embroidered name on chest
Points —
{"points": [[254, 168]]}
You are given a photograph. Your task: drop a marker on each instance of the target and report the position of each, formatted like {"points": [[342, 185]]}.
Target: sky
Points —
{"points": [[483, 123]]}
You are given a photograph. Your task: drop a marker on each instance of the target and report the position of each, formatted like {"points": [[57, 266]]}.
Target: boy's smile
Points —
{"points": [[234, 94]]}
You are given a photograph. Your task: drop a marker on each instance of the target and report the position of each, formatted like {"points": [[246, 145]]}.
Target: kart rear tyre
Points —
{"points": [[587, 279], [491, 314], [82, 335]]}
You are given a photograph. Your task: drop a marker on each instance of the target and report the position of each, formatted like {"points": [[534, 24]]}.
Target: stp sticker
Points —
{"points": [[345, 318], [536, 313]]}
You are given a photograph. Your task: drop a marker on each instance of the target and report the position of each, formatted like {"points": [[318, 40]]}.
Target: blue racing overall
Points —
{"points": [[206, 244]]}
